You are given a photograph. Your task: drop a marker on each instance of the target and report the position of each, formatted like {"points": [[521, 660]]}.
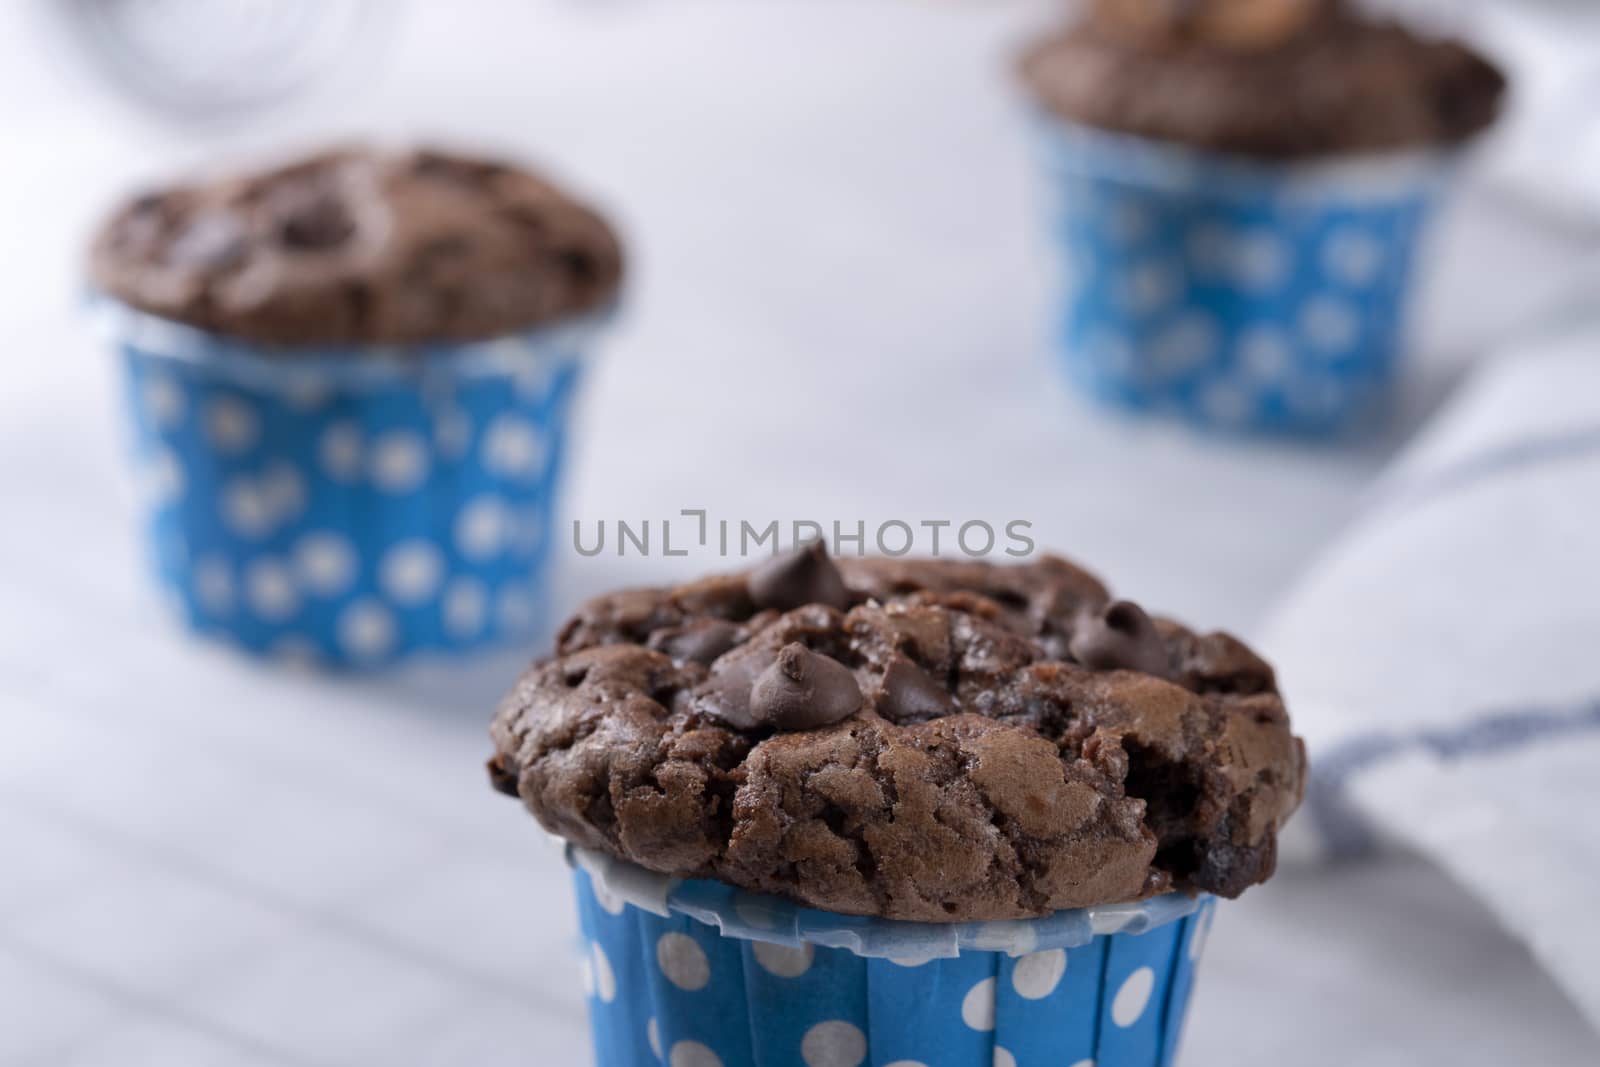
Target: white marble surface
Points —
{"points": [[838, 310]]}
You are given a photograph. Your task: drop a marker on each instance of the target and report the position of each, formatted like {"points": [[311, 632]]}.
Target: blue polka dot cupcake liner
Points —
{"points": [[700, 974], [1237, 295], [349, 508]]}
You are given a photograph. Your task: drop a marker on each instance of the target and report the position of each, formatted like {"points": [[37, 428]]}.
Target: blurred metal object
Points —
{"points": [[215, 60]]}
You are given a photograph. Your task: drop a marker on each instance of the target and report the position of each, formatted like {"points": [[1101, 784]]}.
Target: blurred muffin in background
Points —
{"points": [[1242, 185], [350, 381]]}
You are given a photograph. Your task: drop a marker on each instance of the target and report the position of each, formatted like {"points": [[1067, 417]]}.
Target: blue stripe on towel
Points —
{"points": [[1346, 833], [1573, 443]]}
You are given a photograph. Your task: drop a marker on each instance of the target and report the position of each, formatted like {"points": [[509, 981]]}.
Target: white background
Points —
{"points": [[837, 309]]}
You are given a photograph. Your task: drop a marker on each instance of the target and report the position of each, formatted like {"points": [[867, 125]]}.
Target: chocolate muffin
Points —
{"points": [[361, 246], [1269, 79], [362, 422], [927, 740]]}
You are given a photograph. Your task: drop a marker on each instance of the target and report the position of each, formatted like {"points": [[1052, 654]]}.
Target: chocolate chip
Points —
{"points": [[151, 204], [501, 777], [1120, 637], [210, 242], [311, 222], [726, 694], [579, 264], [701, 641], [144, 223], [909, 694], [804, 576], [803, 690]]}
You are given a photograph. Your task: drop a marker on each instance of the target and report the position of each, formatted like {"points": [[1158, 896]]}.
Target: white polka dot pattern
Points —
{"points": [[163, 478], [1151, 287], [231, 425], [1264, 355], [1132, 997], [163, 401], [512, 447], [1185, 346], [270, 590], [284, 491], [411, 571], [909, 962], [835, 1043], [533, 379], [342, 452], [1234, 309], [481, 528], [605, 979], [366, 630], [466, 607], [1259, 261], [977, 1007], [608, 900], [1353, 256], [259, 506], [784, 961], [355, 520], [704, 990], [325, 563], [1329, 324], [452, 434], [245, 508], [306, 394], [693, 1054], [682, 961], [1037, 974], [399, 462]]}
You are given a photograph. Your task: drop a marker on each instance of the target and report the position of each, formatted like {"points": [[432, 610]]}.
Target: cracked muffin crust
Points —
{"points": [[361, 246], [927, 740], [1263, 79]]}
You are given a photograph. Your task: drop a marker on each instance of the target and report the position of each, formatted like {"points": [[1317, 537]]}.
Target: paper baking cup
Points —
{"points": [[699, 974], [350, 507], [1237, 294]]}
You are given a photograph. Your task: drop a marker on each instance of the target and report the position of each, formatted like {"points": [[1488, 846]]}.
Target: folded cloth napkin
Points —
{"points": [[1443, 659]]}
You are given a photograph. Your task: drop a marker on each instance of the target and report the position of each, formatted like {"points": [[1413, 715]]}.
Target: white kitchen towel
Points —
{"points": [[1443, 659]]}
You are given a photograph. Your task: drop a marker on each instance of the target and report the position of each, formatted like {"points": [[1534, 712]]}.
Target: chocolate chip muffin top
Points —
{"points": [[361, 246], [928, 740], [1269, 79]]}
